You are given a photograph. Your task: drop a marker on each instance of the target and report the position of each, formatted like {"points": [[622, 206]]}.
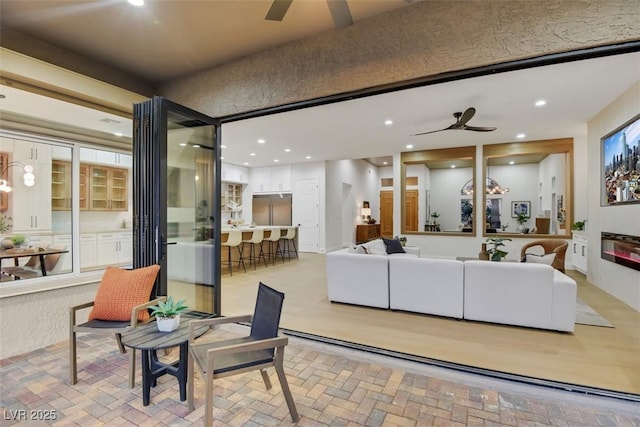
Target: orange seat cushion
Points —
{"points": [[121, 290]]}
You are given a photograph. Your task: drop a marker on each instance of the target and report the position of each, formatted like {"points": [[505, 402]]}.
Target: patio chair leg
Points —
{"points": [[190, 386], [265, 378], [120, 345], [285, 385], [132, 368], [208, 405], [73, 368]]}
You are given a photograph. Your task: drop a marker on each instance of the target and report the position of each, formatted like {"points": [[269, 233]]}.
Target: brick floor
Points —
{"points": [[331, 386]]}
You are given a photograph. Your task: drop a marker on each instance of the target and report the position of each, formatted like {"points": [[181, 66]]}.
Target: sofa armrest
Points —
{"points": [[563, 311]]}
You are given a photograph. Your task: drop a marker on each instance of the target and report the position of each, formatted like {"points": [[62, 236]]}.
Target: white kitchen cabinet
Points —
{"points": [[88, 250], [579, 252], [114, 248], [271, 179], [65, 239], [111, 158], [234, 173], [31, 206]]}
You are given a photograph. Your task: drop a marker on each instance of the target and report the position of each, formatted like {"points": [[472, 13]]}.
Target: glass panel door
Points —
{"points": [[177, 200]]}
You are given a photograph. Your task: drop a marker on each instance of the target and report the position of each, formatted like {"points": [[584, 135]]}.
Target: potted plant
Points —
{"points": [[402, 239], [6, 224], [522, 220], [494, 252], [167, 314], [578, 226]]}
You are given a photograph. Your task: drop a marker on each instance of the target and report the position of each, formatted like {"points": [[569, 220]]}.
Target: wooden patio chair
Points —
{"points": [[261, 349], [120, 304]]}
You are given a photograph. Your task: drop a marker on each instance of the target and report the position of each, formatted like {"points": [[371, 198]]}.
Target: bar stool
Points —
{"points": [[288, 241], [234, 240], [257, 236], [274, 237]]}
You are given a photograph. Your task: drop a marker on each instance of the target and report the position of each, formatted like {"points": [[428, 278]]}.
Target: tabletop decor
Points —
{"points": [[167, 314]]}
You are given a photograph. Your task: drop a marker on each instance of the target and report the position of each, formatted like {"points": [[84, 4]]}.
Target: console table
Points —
{"points": [[366, 232]]}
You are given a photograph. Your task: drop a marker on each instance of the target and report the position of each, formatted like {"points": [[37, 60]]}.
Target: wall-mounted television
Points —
{"points": [[620, 154]]}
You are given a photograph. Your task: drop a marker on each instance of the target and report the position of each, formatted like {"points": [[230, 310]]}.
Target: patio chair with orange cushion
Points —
{"points": [[121, 303]]}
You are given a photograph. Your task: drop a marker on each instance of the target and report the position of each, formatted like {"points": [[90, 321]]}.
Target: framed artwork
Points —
{"points": [[620, 154], [521, 207]]}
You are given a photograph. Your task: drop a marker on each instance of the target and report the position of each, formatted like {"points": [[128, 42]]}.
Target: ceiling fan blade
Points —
{"points": [[278, 9], [466, 116], [431, 131], [479, 128], [340, 13]]}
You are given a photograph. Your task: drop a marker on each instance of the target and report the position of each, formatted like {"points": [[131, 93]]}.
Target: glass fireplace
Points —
{"points": [[621, 249]]}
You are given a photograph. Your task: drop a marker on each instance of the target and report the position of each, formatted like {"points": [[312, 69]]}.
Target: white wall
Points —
{"points": [[445, 195], [363, 183], [619, 281]]}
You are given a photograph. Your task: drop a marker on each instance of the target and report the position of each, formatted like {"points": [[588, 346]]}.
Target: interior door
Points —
{"points": [[411, 210], [386, 214], [177, 187]]}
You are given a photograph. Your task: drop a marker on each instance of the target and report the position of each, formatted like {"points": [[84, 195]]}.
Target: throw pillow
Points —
{"points": [[358, 249], [121, 290], [540, 259], [376, 247], [393, 246]]}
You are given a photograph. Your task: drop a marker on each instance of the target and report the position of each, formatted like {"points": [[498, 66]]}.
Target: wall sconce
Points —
{"points": [[29, 177], [366, 211]]}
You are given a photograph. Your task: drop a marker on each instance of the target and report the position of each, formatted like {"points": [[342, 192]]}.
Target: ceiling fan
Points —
{"points": [[461, 123], [339, 12]]}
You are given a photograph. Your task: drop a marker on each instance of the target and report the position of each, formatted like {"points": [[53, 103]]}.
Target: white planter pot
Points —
{"points": [[168, 324]]}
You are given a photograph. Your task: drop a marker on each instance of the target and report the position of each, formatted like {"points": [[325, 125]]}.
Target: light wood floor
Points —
{"points": [[607, 358]]}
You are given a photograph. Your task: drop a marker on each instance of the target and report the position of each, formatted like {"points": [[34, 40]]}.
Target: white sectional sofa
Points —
{"points": [[512, 293], [426, 285], [361, 279], [524, 294]]}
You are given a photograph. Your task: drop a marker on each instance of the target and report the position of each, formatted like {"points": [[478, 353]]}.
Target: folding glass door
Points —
{"points": [[176, 201]]}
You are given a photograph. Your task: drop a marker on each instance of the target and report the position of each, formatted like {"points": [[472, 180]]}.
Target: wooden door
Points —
{"points": [[386, 214], [411, 210]]}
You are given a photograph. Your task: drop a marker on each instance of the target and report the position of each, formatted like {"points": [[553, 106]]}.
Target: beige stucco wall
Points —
{"points": [[423, 39], [39, 319]]}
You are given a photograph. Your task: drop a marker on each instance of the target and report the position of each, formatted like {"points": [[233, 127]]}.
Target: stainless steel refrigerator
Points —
{"points": [[272, 209]]}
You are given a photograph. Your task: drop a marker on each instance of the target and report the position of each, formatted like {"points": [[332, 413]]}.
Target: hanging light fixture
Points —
{"points": [[29, 177], [491, 187]]}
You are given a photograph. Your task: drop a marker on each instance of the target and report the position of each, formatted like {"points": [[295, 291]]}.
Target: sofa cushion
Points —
{"points": [[376, 247], [393, 246], [539, 259]]}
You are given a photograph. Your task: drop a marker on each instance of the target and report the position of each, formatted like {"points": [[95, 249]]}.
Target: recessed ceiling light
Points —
{"points": [[307, 157], [287, 150], [520, 135], [117, 133], [540, 103], [261, 141], [410, 146], [252, 154], [512, 162], [453, 166], [388, 122], [246, 163], [223, 146], [276, 160], [183, 144], [196, 146], [384, 163], [136, 2]]}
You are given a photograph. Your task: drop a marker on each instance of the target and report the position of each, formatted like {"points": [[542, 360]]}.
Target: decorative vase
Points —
{"points": [[483, 255], [7, 243], [495, 257], [168, 324]]}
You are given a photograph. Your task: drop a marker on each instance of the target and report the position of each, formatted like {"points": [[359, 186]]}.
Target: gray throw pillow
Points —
{"points": [[393, 246]]}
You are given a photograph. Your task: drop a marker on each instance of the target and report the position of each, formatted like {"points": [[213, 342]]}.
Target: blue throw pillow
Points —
{"points": [[393, 246]]}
